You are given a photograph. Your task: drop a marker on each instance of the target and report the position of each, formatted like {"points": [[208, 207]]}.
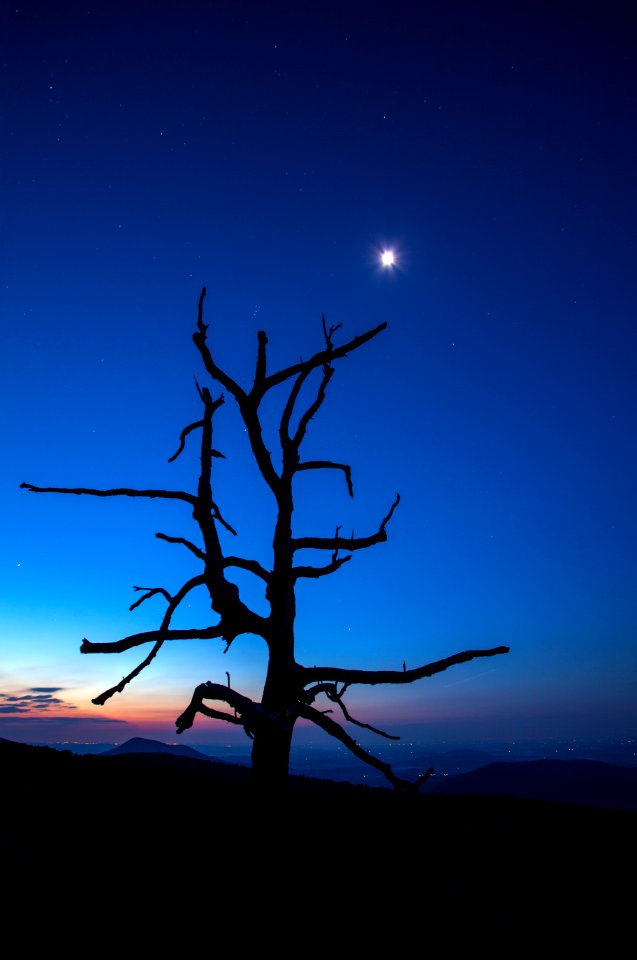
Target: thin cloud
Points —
{"points": [[22, 702], [51, 721]]}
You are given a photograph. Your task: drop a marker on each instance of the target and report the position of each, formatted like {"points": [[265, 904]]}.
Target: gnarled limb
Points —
{"points": [[372, 677], [173, 603], [335, 730], [329, 465], [337, 543], [332, 692], [236, 617], [150, 592], [248, 714], [215, 372], [182, 438], [253, 566], [248, 403], [319, 359]]}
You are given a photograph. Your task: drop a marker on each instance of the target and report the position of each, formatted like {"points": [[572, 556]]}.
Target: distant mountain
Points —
{"points": [[588, 782], [142, 745]]}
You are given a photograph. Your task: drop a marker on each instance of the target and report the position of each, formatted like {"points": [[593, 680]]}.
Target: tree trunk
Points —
{"points": [[271, 756], [273, 735]]}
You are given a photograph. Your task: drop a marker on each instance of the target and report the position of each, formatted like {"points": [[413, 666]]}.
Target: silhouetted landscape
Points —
{"points": [[319, 383], [80, 811]]}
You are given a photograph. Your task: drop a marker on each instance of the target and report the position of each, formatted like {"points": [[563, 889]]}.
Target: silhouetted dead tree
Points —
{"points": [[290, 689]]}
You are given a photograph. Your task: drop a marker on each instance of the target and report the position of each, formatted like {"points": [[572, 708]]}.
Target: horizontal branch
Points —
{"points": [[329, 465], [118, 492], [337, 543], [372, 677], [150, 636]]}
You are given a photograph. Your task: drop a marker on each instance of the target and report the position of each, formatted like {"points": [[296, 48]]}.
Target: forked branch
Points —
{"points": [[320, 359], [173, 603], [150, 592], [337, 543], [247, 713], [332, 693], [335, 730]]}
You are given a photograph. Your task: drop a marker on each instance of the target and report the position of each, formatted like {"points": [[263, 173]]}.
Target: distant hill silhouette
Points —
{"points": [[142, 745], [566, 781]]}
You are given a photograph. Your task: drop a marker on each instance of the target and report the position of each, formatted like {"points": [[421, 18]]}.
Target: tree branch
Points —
{"points": [[150, 636], [328, 372], [215, 372], [337, 543], [253, 566], [372, 677], [186, 543], [313, 573], [284, 428], [335, 730], [182, 438], [259, 375], [249, 713], [319, 359], [119, 492], [332, 692], [172, 606], [328, 465], [247, 403], [152, 591]]}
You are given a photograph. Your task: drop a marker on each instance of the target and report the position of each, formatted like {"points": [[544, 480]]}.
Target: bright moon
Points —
{"points": [[387, 258]]}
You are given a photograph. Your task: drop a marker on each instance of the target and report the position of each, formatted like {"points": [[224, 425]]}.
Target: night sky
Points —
{"points": [[273, 151]]}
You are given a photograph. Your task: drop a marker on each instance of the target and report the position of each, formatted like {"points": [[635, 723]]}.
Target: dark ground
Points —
{"points": [[181, 827]]}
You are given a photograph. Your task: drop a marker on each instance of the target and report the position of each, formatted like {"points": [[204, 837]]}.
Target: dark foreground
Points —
{"points": [[183, 826]]}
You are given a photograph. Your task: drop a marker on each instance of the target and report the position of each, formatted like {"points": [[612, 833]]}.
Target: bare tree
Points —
{"points": [[291, 690]]}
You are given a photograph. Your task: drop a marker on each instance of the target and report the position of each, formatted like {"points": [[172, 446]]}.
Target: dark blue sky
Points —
{"points": [[270, 151]]}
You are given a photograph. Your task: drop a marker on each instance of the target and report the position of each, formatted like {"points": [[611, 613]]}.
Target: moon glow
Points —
{"points": [[387, 258]]}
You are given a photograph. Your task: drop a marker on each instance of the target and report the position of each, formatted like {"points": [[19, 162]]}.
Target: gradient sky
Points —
{"points": [[271, 150]]}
